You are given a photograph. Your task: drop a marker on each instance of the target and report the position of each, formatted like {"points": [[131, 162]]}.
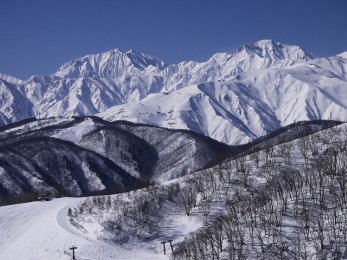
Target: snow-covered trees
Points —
{"points": [[291, 204], [298, 213]]}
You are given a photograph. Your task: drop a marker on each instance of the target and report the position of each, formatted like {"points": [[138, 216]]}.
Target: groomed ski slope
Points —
{"points": [[40, 230]]}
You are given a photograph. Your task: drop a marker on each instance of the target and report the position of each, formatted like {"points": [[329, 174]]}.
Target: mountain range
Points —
{"points": [[233, 98]]}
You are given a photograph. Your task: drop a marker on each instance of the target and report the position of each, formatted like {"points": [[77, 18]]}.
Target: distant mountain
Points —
{"points": [[251, 104], [232, 98]]}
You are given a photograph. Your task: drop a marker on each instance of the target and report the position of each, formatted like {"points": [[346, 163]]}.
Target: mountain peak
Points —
{"points": [[10, 79], [277, 51], [265, 43], [111, 64], [132, 51], [343, 55], [142, 61]]}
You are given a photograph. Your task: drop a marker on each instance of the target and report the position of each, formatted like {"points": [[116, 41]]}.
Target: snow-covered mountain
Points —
{"points": [[232, 98], [249, 105]]}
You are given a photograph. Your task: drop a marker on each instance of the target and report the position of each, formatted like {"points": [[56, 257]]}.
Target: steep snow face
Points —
{"points": [[88, 96], [265, 85], [224, 112], [14, 106]]}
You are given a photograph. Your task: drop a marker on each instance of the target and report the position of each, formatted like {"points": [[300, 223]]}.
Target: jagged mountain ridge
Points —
{"points": [[266, 69]]}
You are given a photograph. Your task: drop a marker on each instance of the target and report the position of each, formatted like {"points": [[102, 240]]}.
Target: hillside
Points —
{"points": [[86, 155], [286, 201]]}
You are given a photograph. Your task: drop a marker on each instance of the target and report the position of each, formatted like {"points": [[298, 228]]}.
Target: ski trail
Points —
{"points": [[41, 230]]}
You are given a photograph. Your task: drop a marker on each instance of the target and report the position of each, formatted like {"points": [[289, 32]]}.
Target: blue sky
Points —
{"points": [[38, 36]]}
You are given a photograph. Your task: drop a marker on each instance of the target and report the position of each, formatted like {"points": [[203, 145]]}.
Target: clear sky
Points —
{"points": [[38, 36]]}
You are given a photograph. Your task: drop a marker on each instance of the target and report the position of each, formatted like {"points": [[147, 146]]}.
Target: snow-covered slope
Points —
{"points": [[36, 231], [14, 106], [206, 108], [41, 230], [230, 97]]}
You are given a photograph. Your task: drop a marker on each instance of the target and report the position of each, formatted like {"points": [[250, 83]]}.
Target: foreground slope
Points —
{"points": [[41, 230]]}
